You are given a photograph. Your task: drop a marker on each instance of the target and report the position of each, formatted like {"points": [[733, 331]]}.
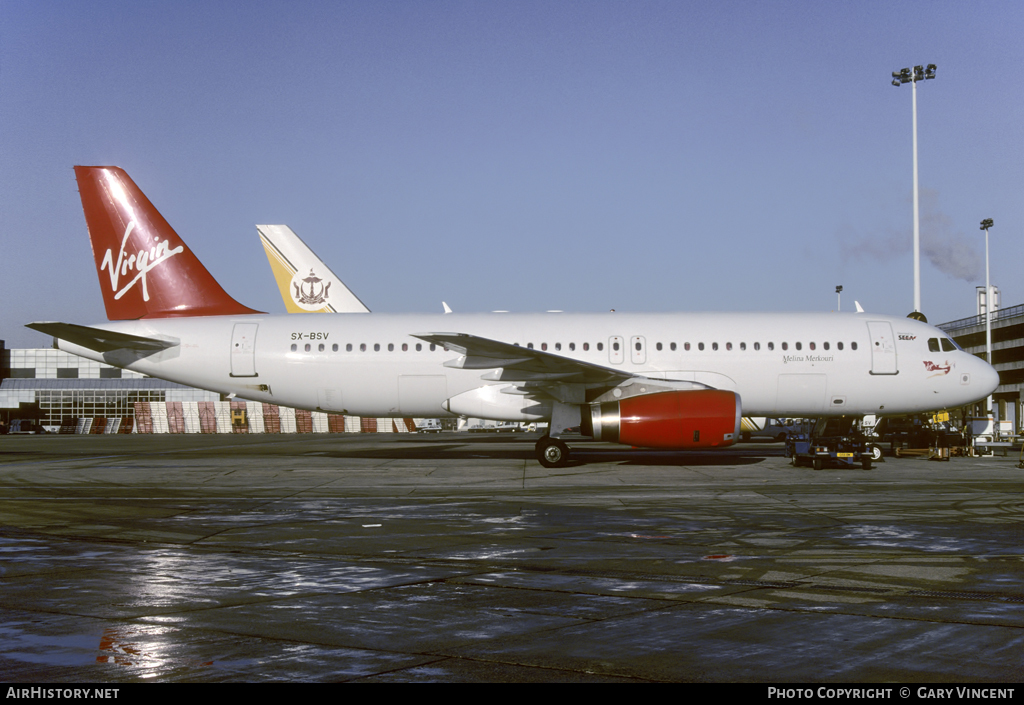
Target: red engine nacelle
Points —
{"points": [[698, 418]]}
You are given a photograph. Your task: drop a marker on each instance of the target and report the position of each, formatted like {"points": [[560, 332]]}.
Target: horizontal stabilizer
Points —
{"points": [[100, 340]]}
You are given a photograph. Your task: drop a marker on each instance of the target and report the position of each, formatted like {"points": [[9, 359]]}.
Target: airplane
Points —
{"points": [[320, 291], [663, 380]]}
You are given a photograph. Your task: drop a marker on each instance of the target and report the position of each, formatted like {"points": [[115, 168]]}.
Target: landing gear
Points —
{"points": [[552, 453], [876, 452]]}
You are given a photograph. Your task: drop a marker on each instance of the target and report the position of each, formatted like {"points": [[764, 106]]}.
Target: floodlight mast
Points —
{"points": [[912, 76], [985, 225]]}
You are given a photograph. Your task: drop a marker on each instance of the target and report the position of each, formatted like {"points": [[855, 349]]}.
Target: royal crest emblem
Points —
{"points": [[310, 293]]}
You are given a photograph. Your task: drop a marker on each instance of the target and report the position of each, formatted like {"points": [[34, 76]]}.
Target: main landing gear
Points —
{"points": [[552, 453]]}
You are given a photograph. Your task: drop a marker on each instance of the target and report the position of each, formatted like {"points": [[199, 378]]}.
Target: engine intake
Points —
{"points": [[697, 418]]}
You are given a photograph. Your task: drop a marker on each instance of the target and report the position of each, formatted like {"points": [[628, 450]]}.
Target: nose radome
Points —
{"points": [[988, 378]]}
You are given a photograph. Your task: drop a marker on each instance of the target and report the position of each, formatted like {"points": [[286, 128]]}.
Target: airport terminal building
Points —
{"points": [[1007, 358]]}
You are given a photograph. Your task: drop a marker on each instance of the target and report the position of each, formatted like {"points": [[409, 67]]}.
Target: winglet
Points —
{"points": [[144, 267]]}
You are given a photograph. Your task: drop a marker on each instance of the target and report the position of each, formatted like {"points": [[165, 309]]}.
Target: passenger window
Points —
{"points": [[714, 346], [811, 346], [853, 346], [799, 346], [586, 346], [600, 346], [334, 348], [672, 347], [933, 344], [743, 346], [700, 346], [376, 347], [825, 345], [405, 347], [320, 348], [757, 346], [771, 346], [391, 347], [658, 346], [785, 346], [419, 347], [572, 346], [839, 345], [294, 347], [558, 346], [308, 347], [544, 346]]}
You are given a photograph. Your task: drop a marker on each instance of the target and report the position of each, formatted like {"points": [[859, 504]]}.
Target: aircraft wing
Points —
{"points": [[519, 364], [100, 340]]}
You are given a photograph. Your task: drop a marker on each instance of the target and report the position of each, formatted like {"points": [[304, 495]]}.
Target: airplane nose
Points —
{"points": [[986, 377]]}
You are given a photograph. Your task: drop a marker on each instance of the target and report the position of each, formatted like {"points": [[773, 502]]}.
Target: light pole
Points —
{"points": [[985, 225], [839, 298], [919, 73]]}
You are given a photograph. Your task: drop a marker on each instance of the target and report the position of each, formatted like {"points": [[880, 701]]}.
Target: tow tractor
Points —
{"points": [[834, 441]]}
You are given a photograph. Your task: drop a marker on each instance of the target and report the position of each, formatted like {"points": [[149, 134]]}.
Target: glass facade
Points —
{"points": [[91, 398]]}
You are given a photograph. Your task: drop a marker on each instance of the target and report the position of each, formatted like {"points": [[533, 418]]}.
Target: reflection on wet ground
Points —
{"points": [[329, 558]]}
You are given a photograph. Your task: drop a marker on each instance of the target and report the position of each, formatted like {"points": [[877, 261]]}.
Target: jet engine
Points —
{"points": [[695, 418]]}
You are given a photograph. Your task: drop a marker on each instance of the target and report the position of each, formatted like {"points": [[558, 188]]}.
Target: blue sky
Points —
{"points": [[643, 156]]}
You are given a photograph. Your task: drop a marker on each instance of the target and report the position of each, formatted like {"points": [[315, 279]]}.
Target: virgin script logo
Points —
{"points": [[139, 263], [939, 370]]}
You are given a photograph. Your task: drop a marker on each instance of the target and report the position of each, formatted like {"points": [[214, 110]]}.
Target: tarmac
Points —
{"points": [[407, 558]]}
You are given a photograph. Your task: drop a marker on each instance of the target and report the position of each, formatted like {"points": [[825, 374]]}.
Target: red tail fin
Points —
{"points": [[145, 269]]}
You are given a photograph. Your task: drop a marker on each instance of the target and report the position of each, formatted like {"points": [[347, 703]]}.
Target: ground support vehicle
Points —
{"points": [[832, 442]]}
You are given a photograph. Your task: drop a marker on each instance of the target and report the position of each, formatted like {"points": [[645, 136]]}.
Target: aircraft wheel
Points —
{"points": [[552, 453], [876, 452]]}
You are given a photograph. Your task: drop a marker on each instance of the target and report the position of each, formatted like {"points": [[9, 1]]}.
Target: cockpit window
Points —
{"points": [[949, 345], [933, 345]]}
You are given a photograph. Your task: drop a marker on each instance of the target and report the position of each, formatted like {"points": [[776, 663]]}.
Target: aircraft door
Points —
{"points": [[616, 354], [883, 348], [637, 350], [243, 350]]}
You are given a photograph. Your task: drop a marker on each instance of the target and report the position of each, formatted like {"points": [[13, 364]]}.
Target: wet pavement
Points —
{"points": [[459, 558]]}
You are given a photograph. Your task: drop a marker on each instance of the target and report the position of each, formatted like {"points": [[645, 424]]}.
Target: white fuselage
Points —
{"points": [[792, 364]]}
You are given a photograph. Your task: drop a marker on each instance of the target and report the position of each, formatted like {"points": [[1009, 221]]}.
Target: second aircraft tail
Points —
{"points": [[307, 284]]}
